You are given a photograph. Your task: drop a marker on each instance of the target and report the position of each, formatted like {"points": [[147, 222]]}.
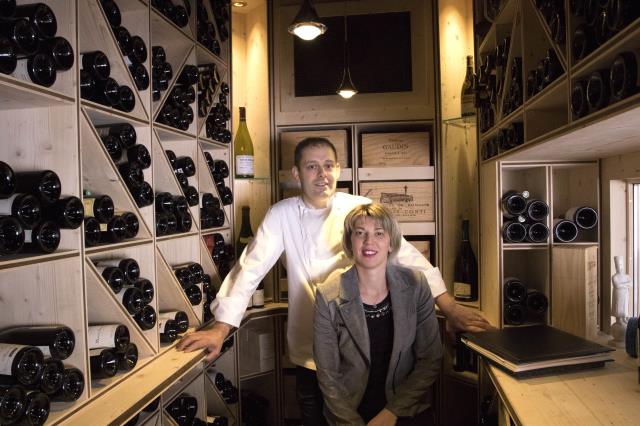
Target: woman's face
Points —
{"points": [[371, 244]]}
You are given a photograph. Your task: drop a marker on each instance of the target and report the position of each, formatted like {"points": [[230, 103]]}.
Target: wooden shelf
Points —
{"points": [[396, 173], [20, 94]]}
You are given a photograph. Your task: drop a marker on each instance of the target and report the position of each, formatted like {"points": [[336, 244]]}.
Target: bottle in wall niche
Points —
{"points": [[243, 149], [514, 203], [103, 363], [514, 290], [22, 36], [60, 50], [25, 208], [467, 95], [96, 64], [564, 231], [583, 42], [598, 90], [37, 408], [72, 386], [108, 336], [113, 231], [624, 75], [145, 286], [52, 375], [56, 341], [180, 318], [127, 357], [537, 210], [113, 276], [99, 206], [536, 302], [465, 285], [20, 363], [43, 238], [39, 68], [513, 232], [129, 267], [620, 13], [91, 231], [579, 104], [514, 313], [44, 184], [584, 217], [246, 233], [131, 299], [537, 232], [67, 212], [132, 224], [7, 181], [147, 317], [11, 235], [168, 330]]}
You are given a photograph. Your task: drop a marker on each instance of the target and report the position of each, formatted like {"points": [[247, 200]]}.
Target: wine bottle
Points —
{"points": [[467, 95], [194, 294], [126, 99], [12, 404], [52, 375], [142, 194], [514, 290], [514, 313], [620, 13], [123, 37], [551, 66], [537, 232], [192, 196], [164, 202], [43, 238], [180, 205], [43, 184], [101, 207], [226, 196], [564, 231], [138, 53], [185, 165], [180, 318], [466, 269], [513, 232], [129, 267], [536, 302], [97, 64], [583, 216], [11, 235], [131, 299], [168, 330], [54, 341], [132, 174], [183, 274], [579, 104], [125, 132], [7, 8], [22, 36], [145, 286], [184, 222], [103, 363], [127, 357], [624, 75], [113, 276], [67, 212], [20, 363], [24, 207], [243, 149], [209, 201], [108, 336], [514, 203], [162, 224], [537, 210], [87, 85], [132, 224], [138, 154], [246, 233], [37, 408], [60, 50], [39, 68], [598, 90], [257, 299], [7, 180], [113, 231], [112, 12], [146, 318], [91, 231], [583, 42], [220, 168], [107, 92], [140, 76], [188, 76], [72, 386], [158, 55]]}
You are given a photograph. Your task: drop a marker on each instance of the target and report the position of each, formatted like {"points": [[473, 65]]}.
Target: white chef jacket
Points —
{"points": [[312, 241]]}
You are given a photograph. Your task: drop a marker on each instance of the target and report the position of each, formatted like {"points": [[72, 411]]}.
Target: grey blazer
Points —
{"points": [[341, 345]]}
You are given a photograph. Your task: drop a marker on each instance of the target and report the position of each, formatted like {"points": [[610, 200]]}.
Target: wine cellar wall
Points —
{"points": [[117, 202]]}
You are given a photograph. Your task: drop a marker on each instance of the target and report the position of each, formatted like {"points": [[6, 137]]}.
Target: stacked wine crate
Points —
{"points": [[147, 115]]}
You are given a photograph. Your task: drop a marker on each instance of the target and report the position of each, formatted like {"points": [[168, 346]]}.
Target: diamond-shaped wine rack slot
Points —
{"points": [[211, 68], [48, 293], [64, 85], [159, 20], [100, 119], [95, 34], [180, 251], [218, 24], [165, 181], [183, 147], [177, 90], [32, 140], [509, 49], [134, 19], [153, 419], [224, 364], [171, 297], [177, 49], [541, 57], [207, 185], [554, 25], [104, 308], [210, 269], [100, 176], [216, 406]]}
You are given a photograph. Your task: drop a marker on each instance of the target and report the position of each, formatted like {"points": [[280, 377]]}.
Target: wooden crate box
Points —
{"points": [[395, 149], [410, 201], [423, 246], [289, 141]]}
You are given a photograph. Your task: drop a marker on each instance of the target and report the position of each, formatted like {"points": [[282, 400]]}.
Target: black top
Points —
{"points": [[380, 326]]}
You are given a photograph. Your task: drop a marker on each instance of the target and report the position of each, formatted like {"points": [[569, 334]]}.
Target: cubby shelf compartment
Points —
{"points": [[224, 77], [159, 22], [20, 94], [207, 184], [48, 293], [192, 384], [215, 404], [95, 34], [207, 143], [538, 37], [103, 308]]}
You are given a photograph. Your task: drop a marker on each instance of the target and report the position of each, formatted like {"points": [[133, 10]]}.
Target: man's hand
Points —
{"points": [[211, 340], [383, 418], [461, 318]]}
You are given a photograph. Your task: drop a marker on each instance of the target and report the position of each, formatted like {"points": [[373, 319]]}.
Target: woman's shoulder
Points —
{"points": [[330, 288], [411, 277]]}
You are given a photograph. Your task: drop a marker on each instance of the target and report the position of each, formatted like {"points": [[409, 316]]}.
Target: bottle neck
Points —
{"points": [[465, 231]]}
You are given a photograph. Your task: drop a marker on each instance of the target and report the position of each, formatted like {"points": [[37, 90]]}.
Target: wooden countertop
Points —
{"points": [[605, 396]]}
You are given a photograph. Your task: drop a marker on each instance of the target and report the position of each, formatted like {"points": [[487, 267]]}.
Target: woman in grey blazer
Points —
{"points": [[376, 344]]}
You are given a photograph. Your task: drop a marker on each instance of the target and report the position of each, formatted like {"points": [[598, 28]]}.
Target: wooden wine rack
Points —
{"points": [[53, 128]]}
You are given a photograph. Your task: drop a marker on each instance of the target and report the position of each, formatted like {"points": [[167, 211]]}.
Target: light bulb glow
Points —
{"points": [[347, 93], [239, 3], [307, 30]]}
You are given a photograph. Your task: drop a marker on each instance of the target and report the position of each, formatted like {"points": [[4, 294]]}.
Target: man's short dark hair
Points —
{"points": [[312, 142]]}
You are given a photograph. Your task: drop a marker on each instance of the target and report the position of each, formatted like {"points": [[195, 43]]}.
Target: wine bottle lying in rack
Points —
{"points": [[514, 203], [112, 12], [145, 286], [583, 216], [124, 132], [537, 232], [513, 232], [25, 208], [177, 14], [21, 364], [54, 341], [180, 318], [129, 267], [60, 50], [146, 318], [66, 212], [43, 238], [45, 184], [72, 386], [183, 409], [8, 60], [103, 363], [108, 336], [37, 408], [624, 75], [127, 357], [564, 231], [168, 330], [132, 300], [536, 210], [113, 276], [579, 104]]}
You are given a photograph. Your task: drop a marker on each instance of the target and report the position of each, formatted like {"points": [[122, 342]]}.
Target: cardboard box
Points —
{"points": [[424, 247], [410, 201], [395, 149], [289, 141]]}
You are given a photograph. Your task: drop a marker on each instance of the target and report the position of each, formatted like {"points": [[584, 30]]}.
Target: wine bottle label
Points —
{"points": [[104, 227], [244, 165], [461, 289], [46, 350], [95, 351], [21, 72], [101, 336], [6, 204], [103, 263], [28, 236], [167, 315], [8, 352], [88, 206], [258, 298], [162, 323]]}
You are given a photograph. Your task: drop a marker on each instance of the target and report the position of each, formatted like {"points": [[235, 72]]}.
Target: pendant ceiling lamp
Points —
{"points": [[346, 89], [306, 24]]}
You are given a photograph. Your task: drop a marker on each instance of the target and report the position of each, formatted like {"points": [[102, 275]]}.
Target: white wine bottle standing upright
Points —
{"points": [[243, 149]]}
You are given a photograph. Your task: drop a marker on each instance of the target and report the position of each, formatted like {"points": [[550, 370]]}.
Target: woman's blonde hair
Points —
{"points": [[381, 215]]}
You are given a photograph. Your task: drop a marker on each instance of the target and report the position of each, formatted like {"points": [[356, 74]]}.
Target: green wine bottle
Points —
{"points": [[243, 149]]}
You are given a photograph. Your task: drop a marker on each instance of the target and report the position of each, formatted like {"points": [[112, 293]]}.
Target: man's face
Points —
{"points": [[318, 174]]}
